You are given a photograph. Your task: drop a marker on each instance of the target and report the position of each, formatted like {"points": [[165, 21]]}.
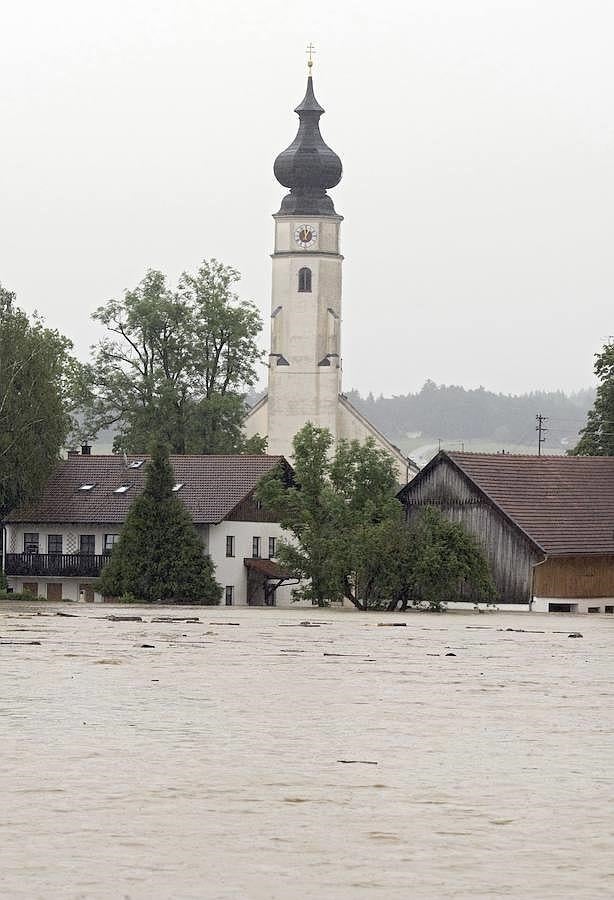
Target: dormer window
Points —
{"points": [[304, 280], [87, 487], [136, 464], [122, 489], [177, 486]]}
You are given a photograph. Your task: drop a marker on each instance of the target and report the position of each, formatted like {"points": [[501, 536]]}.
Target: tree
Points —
{"points": [[441, 561], [597, 436], [348, 533], [37, 375], [159, 555], [310, 511], [176, 364], [340, 510]]}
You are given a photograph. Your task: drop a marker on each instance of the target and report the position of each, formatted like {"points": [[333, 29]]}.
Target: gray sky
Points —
{"points": [[477, 138]]}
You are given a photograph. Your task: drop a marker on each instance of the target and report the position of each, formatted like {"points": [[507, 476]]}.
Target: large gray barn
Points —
{"points": [[546, 524]]}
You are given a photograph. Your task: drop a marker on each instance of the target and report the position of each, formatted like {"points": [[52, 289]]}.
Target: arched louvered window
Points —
{"points": [[304, 280]]}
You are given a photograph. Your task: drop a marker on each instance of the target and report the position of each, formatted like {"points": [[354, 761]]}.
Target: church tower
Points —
{"points": [[304, 382]]}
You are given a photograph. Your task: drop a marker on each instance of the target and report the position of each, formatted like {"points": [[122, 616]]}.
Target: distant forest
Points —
{"points": [[454, 414]]}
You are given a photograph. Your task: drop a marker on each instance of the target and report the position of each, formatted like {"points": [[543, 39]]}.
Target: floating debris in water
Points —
{"points": [[20, 643], [359, 762], [123, 618], [189, 619]]}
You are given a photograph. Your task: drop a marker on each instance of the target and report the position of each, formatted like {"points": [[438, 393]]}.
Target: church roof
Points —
{"points": [[308, 166]]}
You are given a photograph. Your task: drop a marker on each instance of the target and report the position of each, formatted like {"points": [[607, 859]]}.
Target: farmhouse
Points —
{"points": [[546, 523], [57, 545]]}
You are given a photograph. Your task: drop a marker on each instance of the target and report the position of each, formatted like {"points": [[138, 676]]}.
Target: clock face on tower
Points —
{"points": [[305, 236]]}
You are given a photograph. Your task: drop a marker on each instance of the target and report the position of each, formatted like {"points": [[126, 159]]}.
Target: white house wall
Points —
{"points": [[229, 571], [232, 571]]}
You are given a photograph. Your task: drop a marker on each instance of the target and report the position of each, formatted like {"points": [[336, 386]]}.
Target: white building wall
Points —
{"points": [[575, 604], [232, 571], [228, 570], [305, 334], [256, 421]]}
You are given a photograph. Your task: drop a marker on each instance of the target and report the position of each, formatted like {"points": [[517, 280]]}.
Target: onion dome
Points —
{"points": [[308, 167]]}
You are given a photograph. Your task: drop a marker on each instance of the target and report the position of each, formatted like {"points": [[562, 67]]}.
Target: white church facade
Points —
{"points": [[304, 375]]}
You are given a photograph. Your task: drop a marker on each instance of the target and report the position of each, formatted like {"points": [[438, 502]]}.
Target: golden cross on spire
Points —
{"points": [[310, 51]]}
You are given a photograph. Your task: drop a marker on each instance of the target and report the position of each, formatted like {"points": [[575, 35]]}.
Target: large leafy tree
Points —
{"points": [[159, 555], [338, 510], [37, 376], [597, 436], [310, 510], [175, 364], [348, 534]]}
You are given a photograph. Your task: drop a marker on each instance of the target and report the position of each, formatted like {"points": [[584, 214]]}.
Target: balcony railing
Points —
{"points": [[54, 564]]}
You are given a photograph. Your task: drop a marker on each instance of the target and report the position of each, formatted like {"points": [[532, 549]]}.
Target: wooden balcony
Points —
{"points": [[55, 564]]}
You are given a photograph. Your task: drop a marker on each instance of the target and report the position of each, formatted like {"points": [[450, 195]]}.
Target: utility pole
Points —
{"points": [[541, 432]]}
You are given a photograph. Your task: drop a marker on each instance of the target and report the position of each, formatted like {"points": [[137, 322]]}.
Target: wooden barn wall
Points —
{"points": [[510, 556], [575, 577], [250, 511]]}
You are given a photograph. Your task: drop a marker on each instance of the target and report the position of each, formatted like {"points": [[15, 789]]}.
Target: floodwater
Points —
{"points": [[267, 759]]}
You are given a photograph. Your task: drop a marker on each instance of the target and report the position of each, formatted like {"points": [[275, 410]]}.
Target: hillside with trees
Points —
{"points": [[479, 418]]}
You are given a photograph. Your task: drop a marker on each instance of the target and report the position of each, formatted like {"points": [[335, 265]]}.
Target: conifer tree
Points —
{"points": [[159, 555]]}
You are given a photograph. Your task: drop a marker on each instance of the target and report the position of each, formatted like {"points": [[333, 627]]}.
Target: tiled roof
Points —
{"points": [[564, 503], [211, 487]]}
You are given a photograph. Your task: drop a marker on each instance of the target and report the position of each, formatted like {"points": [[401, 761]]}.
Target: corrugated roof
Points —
{"points": [[211, 487], [564, 503]]}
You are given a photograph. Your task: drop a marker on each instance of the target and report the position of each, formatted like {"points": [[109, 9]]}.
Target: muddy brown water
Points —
{"points": [[208, 765]]}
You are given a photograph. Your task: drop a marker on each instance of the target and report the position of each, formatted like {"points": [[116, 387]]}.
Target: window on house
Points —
{"points": [[256, 547], [230, 545], [272, 547], [136, 464], [109, 542], [122, 489], [87, 487], [229, 594], [177, 486], [30, 542], [304, 280], [87, 544], [54, 543]]}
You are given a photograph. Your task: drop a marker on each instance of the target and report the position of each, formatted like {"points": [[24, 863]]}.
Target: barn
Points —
{"points": [[545, 523]]}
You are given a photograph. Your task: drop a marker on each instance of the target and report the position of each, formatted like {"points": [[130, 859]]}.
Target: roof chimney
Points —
{"points": [[72, 453], [86, 449]]}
